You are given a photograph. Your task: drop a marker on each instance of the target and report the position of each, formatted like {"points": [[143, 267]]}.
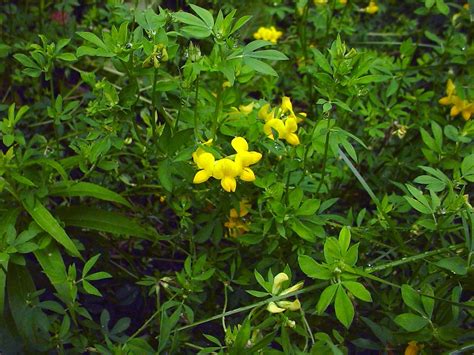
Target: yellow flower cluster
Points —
{"points": [[459, 106], [226, 170], [236, 223], [372, 8], [282, 306], [270, 34], [284, 121]]}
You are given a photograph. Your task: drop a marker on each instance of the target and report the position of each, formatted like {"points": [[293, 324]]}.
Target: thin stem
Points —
{"points": [[197, 135], [252, 306], [153, 103], [224, 308], [326, 149]]}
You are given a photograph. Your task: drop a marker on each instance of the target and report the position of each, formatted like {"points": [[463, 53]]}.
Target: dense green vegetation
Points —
{"points": [[236, 177]]}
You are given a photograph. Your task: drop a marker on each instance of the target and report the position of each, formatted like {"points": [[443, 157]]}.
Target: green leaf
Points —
{"points": [[332, 250], [239, 23], [428, 302], [26, 61], [190, 19], [467, 168], [411, 322], [92, 38], [89, 264], [344, 308], [252, 46], [326, 298], [49, 224], [372, 78], [302, 230], [442, 7], [53, 266], [321, 61], [260, 66], [344, 239], [104, 221], [412, 299], [358, 290], [91, 289], [312, 269], [308, 207], [88, 189], [98, 276], [67, 57], [269, 54], [204, 14], [164, 174], [454, 264]]}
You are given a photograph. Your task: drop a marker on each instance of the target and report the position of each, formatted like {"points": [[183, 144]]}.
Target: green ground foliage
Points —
{"points": [[232, 177]]}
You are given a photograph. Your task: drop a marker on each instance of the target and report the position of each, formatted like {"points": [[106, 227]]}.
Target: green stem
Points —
{"points": [[252, 306], [217, 112], [413, 258], [153, 103], [326, 149], [197, 135]]}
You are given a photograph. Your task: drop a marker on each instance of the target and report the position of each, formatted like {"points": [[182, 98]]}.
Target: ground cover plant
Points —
{"points": [[235, 177]]}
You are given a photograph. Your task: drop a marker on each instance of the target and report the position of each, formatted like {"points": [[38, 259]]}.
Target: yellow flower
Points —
{"points": [[265, 114], [286, 105], [372, 8], [343, 2], [281, 306], [450, 91], [286, 130], [236, 224], [463, 107], [205, 161], [226, 170], [413, 348], [244, 158], [268, 34], [320, 2], [244, 110]]}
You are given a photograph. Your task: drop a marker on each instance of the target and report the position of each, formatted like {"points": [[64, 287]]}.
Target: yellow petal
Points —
{"points": [[233, 213], [293, 288], [273, 308], [454, 111], [445, 100], [264, 113], [290, 124], [292, 306], [248, 158], [240, 144], [246, 109], [277, 281], [225, 167], [412, 348], [229, 184], [450, 87], [277, 125], [247, 175], [201, 176], [286, 105], [292, 139]]}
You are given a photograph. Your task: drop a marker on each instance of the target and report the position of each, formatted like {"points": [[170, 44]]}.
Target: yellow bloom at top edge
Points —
{"points": [[320, 2], [412, 348], [450, 91], [372, 8], [270, 34], [343, 2]]}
